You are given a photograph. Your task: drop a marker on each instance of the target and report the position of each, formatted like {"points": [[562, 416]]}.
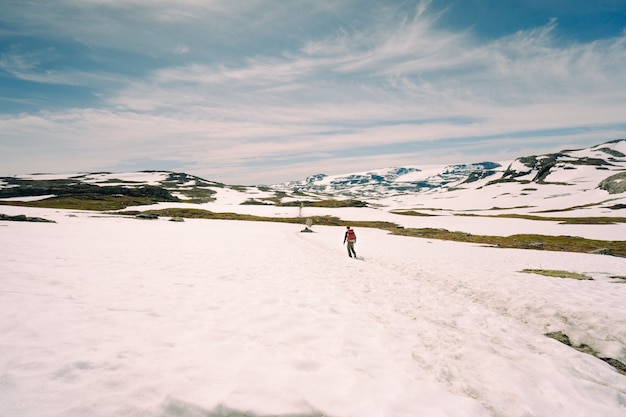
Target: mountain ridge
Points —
{"points": [[593, 176], [608, 156]]}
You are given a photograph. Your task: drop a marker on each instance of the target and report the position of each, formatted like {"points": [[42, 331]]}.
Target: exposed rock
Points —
{"points": [[617, 207], [75, 188], [540, 165], [128, 212], [613, 152], [23, 218], [602, 251], [563, 338], [615, 184], [147, 216], [620, 278], [477, 175], [560, 336], [621, 368], [590, 161]]}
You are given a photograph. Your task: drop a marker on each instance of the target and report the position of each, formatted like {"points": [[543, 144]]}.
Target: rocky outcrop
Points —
{"points": [[18, 187], [540, 166], [615, 184], [563, 338], [23, 218]]}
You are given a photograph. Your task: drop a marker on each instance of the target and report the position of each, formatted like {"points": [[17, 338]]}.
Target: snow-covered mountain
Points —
{"points": [[571, 181], [589, 166], [382, 182]]}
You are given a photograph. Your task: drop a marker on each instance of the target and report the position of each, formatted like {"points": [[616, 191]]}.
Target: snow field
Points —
{"points": [[475, 225], [477, 324], [116, 316]]}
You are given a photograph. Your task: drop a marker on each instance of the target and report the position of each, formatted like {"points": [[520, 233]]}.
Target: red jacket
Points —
{"points": [[350, 236]]}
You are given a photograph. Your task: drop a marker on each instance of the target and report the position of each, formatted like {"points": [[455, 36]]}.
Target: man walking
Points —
{"points": [[350, 237]]}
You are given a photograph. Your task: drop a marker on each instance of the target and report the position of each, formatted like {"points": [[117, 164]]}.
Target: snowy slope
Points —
{"points": [[582, 166], [564, 184], [109, 316], [570, 183], [532, 184]]}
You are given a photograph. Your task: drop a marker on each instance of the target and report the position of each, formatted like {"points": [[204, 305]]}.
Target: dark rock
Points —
{"points": [[602, 251], [477, 175], [615, 184], [617, 207], [621, 368], [560, 336], [563, 338], [75, 188], [23, 218], [147, 216], [613, 152]]}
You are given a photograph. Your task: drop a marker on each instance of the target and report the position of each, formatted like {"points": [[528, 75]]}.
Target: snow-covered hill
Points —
{"points": [[587, 182], [396, 180], [565, 167], [582, 169], [526, 181]]}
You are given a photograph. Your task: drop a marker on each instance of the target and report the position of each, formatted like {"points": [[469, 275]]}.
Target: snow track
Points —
{"points": [[477, 327]]}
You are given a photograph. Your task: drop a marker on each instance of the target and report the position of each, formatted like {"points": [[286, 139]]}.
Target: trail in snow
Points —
{"points": [[456, 300], [491, 277]]}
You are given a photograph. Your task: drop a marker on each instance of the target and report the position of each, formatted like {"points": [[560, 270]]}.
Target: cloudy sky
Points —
{"points": [[267, 91]]}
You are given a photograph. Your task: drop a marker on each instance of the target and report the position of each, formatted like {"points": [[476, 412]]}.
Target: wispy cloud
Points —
{"points": [[526, 71], [395, 86]]}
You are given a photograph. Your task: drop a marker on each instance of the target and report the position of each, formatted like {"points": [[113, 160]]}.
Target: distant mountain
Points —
{"points": [[394, 180], [594, 176], [106, 190], [602, 165]]}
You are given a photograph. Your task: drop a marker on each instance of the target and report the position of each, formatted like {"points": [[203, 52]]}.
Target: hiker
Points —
{"points": [[350, 237]]}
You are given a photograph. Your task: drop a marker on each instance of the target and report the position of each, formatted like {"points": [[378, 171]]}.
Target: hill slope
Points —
{"points": [[566, 167], [570, 181]]}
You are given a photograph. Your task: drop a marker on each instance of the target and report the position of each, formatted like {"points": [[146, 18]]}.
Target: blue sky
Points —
{"points": [[267, 91]]}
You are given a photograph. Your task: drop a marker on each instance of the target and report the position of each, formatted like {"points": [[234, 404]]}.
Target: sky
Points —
{"points": [[267, 91]]}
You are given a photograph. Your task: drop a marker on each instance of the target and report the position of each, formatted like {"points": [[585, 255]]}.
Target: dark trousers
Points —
{"points": [[351, 251]]}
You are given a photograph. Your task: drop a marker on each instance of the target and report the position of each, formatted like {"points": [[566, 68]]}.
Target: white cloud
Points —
{"points": [[402, 83]]}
